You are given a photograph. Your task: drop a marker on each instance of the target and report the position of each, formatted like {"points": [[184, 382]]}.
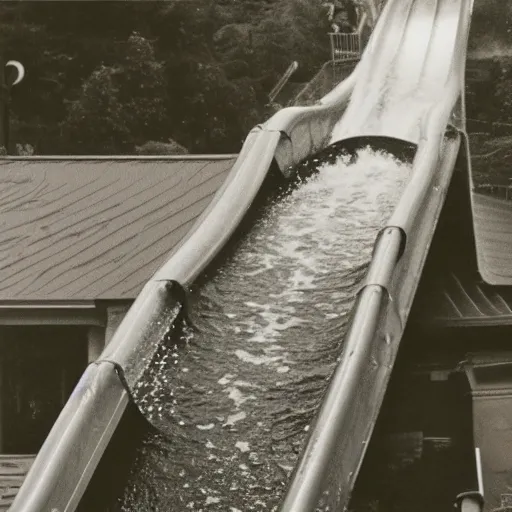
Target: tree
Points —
{"points": [[96, 122], [120, 106], [297, 30], [104, 77], [171, 147], [142, 91], [217, 112]]}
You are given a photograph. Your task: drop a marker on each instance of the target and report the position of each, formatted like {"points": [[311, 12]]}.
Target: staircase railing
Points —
{"points": [[345, 46], [349, 45], [283, 80], [497, 191]]}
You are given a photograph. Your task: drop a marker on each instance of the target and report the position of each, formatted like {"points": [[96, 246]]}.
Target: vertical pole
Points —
{"points": [[333, 58], [4, 106], [331, 37], [479, 475]]}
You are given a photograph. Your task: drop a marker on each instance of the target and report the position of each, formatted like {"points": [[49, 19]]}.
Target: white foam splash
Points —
{"points": [[225, 379], [238, 397], [242, 446], [334, 216], [206, 427], [245, 356], [235, 418], [322, 230]]}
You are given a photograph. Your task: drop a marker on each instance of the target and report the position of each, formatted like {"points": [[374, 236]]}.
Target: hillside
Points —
{"points": [[106, 77]]}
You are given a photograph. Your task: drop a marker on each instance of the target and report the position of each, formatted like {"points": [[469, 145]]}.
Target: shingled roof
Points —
{"points": [[88, 229], [493, 231]]}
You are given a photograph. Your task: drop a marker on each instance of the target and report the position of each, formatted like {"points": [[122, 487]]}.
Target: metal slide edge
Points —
{"points": [[340, 435], [58, 478]]}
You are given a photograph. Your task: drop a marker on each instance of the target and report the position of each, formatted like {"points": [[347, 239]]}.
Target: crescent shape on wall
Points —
{"points": [[21, 70]]}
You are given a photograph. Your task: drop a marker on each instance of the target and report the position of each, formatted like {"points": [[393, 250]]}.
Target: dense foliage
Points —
{"points": [[182, 75], [108, 77]]}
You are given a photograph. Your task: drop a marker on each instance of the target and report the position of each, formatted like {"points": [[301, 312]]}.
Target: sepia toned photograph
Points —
{"points": [[256, 255]]}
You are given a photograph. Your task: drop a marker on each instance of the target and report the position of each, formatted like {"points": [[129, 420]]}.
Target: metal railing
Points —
{"points": [[495, 128], [345, 46], [498, 191]]}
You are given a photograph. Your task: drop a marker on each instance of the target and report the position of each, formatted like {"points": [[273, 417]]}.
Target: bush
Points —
{"points": [[111, 76], [161, 148], [119, 106]]}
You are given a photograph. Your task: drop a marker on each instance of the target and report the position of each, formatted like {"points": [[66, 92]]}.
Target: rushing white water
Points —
{"points": [[235, 397]]}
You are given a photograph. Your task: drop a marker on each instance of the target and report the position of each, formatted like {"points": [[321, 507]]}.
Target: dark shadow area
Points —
{"points": [[452, 251], [113, 471], [421, 454], [39, 369]]}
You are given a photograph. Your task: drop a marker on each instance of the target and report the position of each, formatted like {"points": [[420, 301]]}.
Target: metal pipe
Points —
{"points": [[283, 80], [479, 475]]}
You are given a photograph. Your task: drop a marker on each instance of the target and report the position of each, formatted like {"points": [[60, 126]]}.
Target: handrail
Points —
{"points": [[362, 22], [283, 80], [313, 85], [489, 189]]}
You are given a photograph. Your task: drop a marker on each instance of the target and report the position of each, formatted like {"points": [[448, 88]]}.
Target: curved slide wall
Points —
{"points": [[78, 439], [427, 107]]}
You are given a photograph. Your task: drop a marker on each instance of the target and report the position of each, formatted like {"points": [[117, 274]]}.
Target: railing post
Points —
{"points": [[333, 55], [4, 107], [7, 81]]}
